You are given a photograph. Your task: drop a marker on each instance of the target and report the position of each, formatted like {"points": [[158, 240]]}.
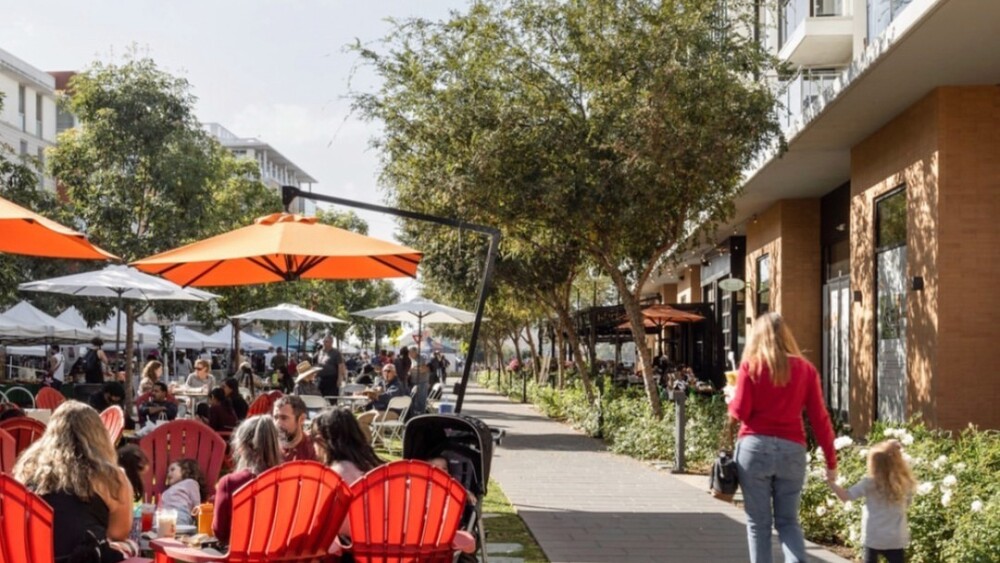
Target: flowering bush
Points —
{"points": [[955, 513]]}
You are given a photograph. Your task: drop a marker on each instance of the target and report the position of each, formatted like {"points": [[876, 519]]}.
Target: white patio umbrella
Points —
{"points": [[421, 310], [289, 313], [121, 282]]}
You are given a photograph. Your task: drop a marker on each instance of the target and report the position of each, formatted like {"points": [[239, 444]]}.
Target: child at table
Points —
{"points": [[185, 489]]}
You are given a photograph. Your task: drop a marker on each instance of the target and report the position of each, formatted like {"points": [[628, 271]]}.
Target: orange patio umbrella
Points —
{"points": [[649, 324], [25, 232], [282, 247], [660, 314]]}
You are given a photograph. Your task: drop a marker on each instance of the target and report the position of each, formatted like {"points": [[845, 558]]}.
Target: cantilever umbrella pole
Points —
{"points": [[289, 193]]}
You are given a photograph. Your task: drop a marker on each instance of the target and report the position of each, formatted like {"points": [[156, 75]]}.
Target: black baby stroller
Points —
{"points": [[466, 444]]}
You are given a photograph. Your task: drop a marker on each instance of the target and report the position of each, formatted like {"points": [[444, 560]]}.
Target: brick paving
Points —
{"points": [[585, 504]]}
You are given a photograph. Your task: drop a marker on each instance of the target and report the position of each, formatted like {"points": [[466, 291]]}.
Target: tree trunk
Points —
{"points": [[535, 363], [634, 312], [129, 353], [582, 365]]}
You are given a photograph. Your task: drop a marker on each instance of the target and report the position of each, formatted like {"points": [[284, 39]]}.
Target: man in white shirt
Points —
{"points": [[57, 366]]}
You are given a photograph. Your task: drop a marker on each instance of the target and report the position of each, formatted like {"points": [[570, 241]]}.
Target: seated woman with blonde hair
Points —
{"points": [[74, 468]]}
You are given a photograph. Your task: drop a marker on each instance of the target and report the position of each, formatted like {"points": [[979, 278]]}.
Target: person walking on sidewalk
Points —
{"points": [[888, 490], [774, 385]]}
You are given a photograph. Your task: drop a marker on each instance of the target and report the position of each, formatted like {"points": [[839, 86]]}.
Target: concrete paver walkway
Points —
{"points": [[586, 504]]}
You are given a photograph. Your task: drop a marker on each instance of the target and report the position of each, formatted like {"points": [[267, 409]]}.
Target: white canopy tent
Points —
{"points": [[34, 321], [247, 340], [185, 337], [73, 317]]}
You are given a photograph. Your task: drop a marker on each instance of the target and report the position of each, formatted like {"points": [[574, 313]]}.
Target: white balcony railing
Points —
{"points": [[792, 13], [799, 98]]}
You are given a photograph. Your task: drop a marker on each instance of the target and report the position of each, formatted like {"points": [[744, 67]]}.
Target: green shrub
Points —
{"points": [[955, 515]]}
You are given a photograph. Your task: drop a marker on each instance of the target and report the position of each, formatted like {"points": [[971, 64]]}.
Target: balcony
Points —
{"points": [[815, 32], [801, 97]]}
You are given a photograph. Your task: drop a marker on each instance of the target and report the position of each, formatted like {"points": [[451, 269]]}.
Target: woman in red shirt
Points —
{"points": [[255, 450], [775, 385]]}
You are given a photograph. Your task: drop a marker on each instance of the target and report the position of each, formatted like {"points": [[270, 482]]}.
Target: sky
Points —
{"points": [[277, 70]]}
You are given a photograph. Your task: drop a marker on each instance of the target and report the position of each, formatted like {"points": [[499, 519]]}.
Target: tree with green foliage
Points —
{"points": [[139, 170], [622, 125]]}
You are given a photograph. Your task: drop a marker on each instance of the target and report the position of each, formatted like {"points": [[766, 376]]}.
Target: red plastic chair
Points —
{"points": [[8, 447], [114, 420], [261, 405], [406, 511], [180, 439], [291, 512], [24, 430], [48, 398], [25, 525]]}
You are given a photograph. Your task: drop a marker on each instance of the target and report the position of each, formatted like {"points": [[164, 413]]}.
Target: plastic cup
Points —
{"points": [[146, 512], [166, 523], [446, 408], [731, 377]]}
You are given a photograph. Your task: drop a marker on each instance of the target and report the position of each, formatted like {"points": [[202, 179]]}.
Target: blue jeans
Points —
{"points": [[771, 472]]}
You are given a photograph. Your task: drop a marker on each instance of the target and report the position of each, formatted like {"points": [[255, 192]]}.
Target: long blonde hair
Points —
{"points": [[73, 455], [890, 472], [770, 344], [255, 444], [149, 372]]}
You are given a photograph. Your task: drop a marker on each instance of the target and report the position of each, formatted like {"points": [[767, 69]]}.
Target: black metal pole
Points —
{"points": [[288, 193]]}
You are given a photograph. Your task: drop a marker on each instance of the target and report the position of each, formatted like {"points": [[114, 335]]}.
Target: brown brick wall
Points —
{"points": [[944, 150], [968, 239], [789, 232]]}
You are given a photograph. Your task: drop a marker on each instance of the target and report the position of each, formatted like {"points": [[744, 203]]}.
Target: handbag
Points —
{"points": [[723, 481]]}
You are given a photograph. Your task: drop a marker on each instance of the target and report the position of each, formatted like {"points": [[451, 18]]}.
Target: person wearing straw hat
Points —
{"points": [[305, 381]]}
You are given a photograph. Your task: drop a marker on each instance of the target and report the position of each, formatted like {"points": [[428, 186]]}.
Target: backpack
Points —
{"points": [[92, 367]]}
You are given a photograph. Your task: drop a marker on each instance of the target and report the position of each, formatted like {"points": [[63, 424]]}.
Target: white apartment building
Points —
{"points": [[28, 117], [876, 232], [275, 169]]}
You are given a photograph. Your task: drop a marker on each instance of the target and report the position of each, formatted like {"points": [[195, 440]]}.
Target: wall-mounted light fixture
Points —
{"points": [[917, 283]]}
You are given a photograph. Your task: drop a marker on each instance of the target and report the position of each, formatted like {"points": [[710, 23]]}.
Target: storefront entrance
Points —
{"points": [[836, 348]]}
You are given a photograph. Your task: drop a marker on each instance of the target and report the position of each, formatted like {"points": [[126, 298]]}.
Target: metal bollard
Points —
{"points": [[679, 397]]}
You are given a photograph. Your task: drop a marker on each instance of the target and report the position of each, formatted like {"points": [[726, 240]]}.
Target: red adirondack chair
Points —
{"points": [[114, 420], [291, 512], [24, 430], [25, 525], [261, 405], [8, 447], [180, 439], [48, 398], [407, 511]]}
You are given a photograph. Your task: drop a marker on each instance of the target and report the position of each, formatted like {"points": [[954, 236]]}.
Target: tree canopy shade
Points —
{"points": [[614, 126]]}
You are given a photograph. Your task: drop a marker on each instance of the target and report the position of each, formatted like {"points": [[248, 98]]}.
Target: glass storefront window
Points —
{"points": [[763, 284], [890, 226]]}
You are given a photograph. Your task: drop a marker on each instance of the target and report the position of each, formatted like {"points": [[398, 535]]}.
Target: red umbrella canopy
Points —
{"points": [[666, 314], [283, 247]]}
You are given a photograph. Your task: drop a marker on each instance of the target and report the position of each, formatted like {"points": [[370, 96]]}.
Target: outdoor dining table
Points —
{"points": [[354, 402], [191, 396]]}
